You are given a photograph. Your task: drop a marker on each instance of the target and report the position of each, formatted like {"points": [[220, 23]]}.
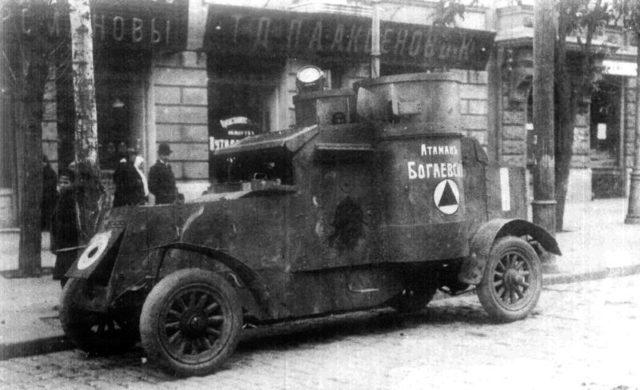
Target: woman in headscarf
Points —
{"points": [[138, 164], [130, 182]]}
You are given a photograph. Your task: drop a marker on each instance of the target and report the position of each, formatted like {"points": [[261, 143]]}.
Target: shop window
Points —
{"points": [[241, 88], [240, 100]]}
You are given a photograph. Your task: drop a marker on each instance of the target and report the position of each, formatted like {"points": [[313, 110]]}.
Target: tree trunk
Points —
{"points": [[29, 112], [89, 193], [28, 45], [565, 117], [574, 79]]}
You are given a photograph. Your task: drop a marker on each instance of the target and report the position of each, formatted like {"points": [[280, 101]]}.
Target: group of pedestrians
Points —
{"points": [[131, 189]]}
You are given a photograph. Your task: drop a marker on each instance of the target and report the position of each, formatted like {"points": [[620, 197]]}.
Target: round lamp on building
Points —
{"points": [[310, 78]]}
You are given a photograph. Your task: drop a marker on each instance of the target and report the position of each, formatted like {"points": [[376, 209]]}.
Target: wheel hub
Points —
{"points": [[194, 323], [513, 279]]}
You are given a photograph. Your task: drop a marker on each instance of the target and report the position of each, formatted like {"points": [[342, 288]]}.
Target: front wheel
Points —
{"points": [[512, 280], [190, 322]]}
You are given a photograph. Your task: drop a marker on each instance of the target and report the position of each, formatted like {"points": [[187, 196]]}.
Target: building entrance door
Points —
{"points": [[119, 94]]}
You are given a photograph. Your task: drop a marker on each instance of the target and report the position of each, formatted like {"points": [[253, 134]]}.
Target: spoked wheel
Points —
{"points": [[512, 280], [100, 333], [190, 322]]}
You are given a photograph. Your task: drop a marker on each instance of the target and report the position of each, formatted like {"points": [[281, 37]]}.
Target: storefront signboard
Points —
{"points": [[620, 68], [279, 34], [117, 24], [140, 24], [230, 131]]}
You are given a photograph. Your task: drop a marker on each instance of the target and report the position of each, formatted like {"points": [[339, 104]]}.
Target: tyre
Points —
{"points": [[190, 322], [512, 280], [419, 291], [99, 333]]}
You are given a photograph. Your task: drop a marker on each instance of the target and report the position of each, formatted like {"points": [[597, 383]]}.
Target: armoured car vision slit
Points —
{"points": [[381, 210]]}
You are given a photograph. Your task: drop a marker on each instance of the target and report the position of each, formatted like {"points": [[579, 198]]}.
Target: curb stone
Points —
{"points": [[613, 272], [34, 347]]}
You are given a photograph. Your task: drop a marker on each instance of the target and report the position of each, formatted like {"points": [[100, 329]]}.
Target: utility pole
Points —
{"points": [[633, 214], [544, 203], [86, 123]]}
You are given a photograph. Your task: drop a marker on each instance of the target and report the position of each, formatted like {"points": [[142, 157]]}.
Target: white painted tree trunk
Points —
{"points": [[83, 82], [89, 190]]}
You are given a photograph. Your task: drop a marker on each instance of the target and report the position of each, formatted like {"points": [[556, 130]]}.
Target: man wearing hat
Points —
{"points": [[162, 183]]}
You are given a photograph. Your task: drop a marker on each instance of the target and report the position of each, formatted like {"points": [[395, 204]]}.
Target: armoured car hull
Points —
{"points": [[310, 221]]}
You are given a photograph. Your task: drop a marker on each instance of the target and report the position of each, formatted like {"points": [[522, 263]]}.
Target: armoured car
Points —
{"points": [[375, 199]]}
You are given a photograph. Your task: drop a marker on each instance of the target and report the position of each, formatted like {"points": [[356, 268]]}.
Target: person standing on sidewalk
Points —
{"points": [[64, 227], [138, 164], [130, 187], [162, 182], [49, 193]]}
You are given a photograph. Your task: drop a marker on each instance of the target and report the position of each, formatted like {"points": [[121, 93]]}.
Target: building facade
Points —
{"points": [[200, 74]]}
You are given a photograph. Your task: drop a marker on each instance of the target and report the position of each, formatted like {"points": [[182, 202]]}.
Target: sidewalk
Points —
{"points": [[596, 244], [28, 321]]}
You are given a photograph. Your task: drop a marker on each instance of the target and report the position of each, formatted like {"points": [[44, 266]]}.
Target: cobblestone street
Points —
{"points": [[582, 336]]}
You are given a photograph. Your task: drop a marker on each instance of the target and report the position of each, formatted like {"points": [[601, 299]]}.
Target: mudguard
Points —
{"points": [[482, 242], [257, 287]]}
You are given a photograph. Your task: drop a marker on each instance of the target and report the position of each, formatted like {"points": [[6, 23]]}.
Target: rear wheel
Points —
{"points": [[419, 290], [512, 280], [190, 322], [411, 300], [101, 333]]}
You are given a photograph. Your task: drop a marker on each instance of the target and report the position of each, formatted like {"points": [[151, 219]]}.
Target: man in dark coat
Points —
{"points": [[49, 193], [65, 233], [162, 183]]}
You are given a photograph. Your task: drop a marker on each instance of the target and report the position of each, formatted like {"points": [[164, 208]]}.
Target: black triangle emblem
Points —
{"points": [[447, 198]]}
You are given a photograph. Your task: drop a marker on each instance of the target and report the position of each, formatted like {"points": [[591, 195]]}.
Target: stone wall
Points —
{"points": [[474, 104], [181, 116], [629, 127], [514, 146], [580, 158], [629, 120]]}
